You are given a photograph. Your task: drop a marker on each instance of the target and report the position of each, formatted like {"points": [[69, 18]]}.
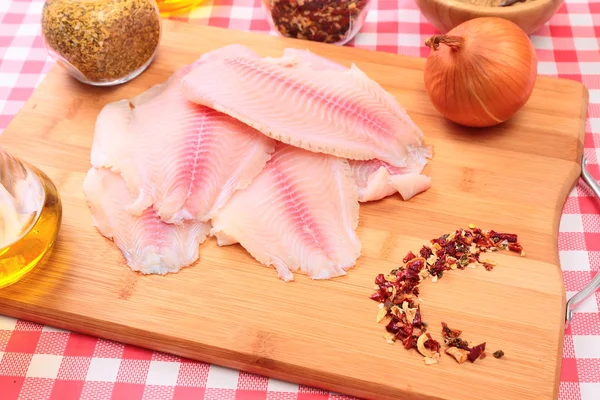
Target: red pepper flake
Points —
{"points": [[328, 21], [409, 342], [432, 344], [409, 256], [417, 323], [476, 352], [416, 264], [510, 237], [452, 338], [517, 248], [448, 333], [458, 343], [488, 265], [398, 291], [425, 252]]}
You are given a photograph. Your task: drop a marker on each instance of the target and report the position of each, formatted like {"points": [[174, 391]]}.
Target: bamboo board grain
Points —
{"points": [[229, 310]]}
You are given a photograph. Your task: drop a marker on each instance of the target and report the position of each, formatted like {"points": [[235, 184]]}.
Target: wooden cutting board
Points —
{"points": [[229, 310]]}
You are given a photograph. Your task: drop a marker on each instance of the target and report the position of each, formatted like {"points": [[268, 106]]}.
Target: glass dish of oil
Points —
{"points": [[168, 7], [30, 217]]}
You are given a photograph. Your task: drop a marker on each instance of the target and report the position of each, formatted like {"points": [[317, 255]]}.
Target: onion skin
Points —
{"points": [[481, 72]]}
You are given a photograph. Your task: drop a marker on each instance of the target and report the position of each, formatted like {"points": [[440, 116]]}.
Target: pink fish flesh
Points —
{"points": [[299, 214], [184, 159], [375, 179], [149, 245], [342, 113]]}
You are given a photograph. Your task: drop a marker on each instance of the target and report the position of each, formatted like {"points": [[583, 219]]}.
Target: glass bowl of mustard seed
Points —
{"points": [[327, 21], [102, 42]]}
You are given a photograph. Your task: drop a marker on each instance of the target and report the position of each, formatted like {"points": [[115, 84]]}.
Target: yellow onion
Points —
{"points": [[481, 72]]}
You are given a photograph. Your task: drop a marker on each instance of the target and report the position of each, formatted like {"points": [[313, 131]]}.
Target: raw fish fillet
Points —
{"points": [[375, 179], [299, 213], [183, 158], [338, 112], [303, 58], [149, 245]]}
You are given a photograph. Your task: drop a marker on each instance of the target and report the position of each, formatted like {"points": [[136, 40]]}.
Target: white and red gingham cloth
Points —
{"points": [[39, 362]]}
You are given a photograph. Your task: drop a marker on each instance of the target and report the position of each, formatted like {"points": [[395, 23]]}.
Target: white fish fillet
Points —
{"points": [[149, 245], [375, 179], [342, 112], [183, 158], [299, 214]]}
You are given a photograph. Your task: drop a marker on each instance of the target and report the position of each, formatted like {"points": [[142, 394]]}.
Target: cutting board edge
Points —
{"points": [[233, 359], [569, 185]]}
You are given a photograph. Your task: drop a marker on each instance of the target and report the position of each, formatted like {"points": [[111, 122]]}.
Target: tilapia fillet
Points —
{"points": [[184, 159], [299, 214], [375, 179], [148, 244], [342, 113]]}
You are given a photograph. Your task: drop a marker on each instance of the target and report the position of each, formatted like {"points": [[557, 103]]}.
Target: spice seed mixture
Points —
{"points": [[398, 292], [104, 40]]}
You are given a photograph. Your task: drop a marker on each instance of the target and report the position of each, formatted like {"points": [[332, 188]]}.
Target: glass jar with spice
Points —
{"points": [[102, 42], [327, 21]]}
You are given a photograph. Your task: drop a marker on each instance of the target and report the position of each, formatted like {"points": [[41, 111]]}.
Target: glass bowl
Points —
{"points": [[327, 21], [30, 218]]}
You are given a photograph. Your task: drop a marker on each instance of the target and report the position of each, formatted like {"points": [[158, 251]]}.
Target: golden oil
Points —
{"points": [[169, 7], [37, 238]]}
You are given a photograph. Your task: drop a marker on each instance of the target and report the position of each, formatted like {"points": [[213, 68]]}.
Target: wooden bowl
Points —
{"points": [[530, 15]]}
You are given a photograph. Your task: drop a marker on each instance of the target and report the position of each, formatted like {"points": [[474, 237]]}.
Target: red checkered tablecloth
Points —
{"points": [[40, 362]]}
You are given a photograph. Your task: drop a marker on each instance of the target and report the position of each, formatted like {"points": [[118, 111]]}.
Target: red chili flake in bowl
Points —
{"points": [[328, 21], [398, 291]]}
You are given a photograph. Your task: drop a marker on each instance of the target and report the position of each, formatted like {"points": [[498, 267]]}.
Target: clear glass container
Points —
{"points": [[102, 42], [30, 218], [327, 21]]}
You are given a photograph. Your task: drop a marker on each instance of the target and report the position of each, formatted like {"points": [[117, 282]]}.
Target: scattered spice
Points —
{"points": [[102, 41], [328, 21], [459, 355], [498, 353], [448, 333], [459, 348], [476, 352], [398, 292], [458, 343]]}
